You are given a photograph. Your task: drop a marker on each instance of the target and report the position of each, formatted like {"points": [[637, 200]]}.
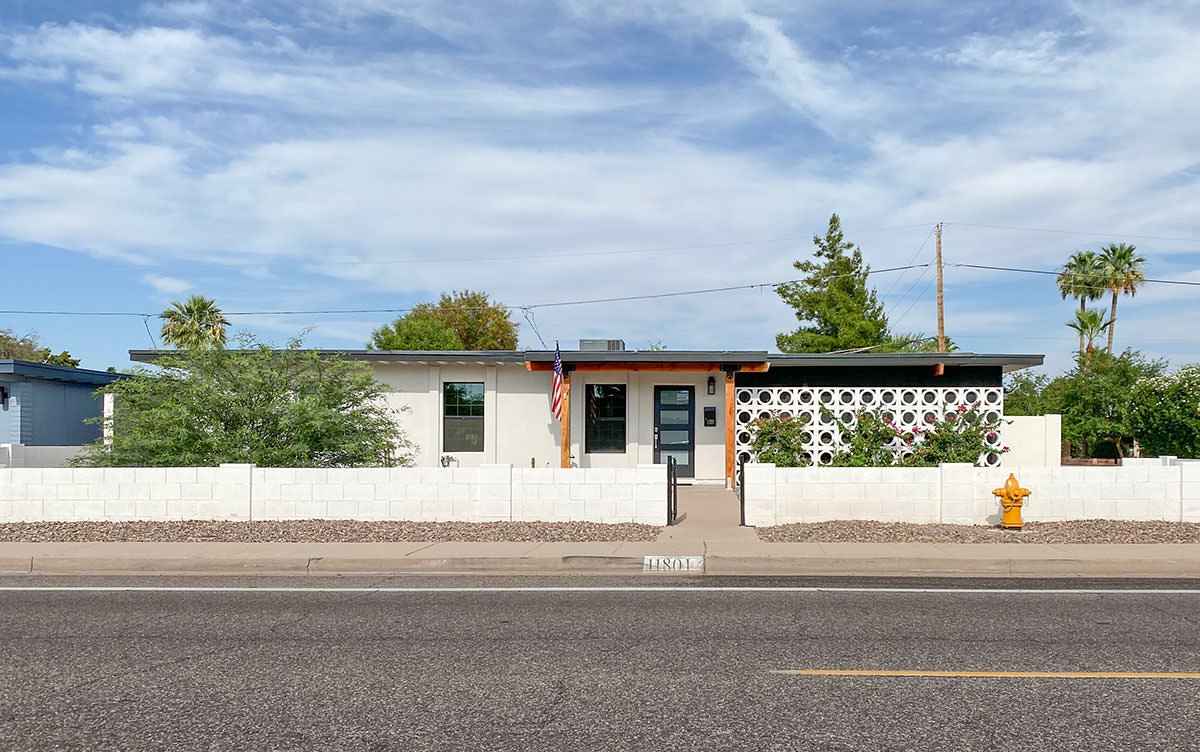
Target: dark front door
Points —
{"points": [[674, 427]]}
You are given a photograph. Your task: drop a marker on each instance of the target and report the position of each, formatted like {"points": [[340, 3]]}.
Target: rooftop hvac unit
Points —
{"points": [[602, 345]]}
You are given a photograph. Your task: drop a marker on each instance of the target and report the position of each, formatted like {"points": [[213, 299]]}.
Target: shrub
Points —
{"points": [[779, 439], [1166, 413], [873, 440]]}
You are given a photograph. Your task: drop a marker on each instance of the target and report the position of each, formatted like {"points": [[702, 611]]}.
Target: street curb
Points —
{"points": [[714, 564], [56, 565], [951, 567]]}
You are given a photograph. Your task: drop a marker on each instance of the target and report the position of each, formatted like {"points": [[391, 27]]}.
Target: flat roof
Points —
{"points": [[1009, 362], [48, 372]]}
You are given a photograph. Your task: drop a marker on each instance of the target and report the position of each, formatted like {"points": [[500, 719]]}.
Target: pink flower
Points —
{"points": [[962, 408], [1003, 449], [991, 435]]}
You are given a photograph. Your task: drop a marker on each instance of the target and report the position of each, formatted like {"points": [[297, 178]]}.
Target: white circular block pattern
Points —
{"points": [[908, 408]]}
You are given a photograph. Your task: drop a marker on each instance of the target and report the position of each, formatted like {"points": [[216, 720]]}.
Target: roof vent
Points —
{"points": [[602, 345]]}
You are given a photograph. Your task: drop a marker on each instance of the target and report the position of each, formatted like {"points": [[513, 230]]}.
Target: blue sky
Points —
{"points": [[333, 154]]}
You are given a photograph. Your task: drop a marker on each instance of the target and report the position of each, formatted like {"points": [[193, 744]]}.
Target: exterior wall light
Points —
{"points": [[712, 384]]}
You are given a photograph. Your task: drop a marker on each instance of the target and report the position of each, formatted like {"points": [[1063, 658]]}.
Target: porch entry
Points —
{"points": [[675, 427]]}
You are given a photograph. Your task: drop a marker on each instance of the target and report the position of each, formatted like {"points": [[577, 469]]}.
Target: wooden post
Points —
{"points": [[566, 419], [940, 305], [729, 430]]}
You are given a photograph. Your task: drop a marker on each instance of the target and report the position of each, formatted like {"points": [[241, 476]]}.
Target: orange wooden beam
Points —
{"points": [[565, 454], [663, 367], [729, 432], [939, 369]]}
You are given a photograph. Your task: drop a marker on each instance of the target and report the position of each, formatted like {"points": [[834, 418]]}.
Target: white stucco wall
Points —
{"points": [[1033, 440], [518, 424]]}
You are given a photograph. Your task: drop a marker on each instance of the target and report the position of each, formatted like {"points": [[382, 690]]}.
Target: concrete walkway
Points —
{"points": [[708, 514]]}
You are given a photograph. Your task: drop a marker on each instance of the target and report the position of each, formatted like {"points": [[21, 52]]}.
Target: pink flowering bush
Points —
{"points": [[873, 440]]}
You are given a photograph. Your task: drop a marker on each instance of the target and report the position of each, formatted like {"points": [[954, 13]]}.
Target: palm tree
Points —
{"points": [[1080, 278], [1090, 324], [193, 324], [1121, 272]]}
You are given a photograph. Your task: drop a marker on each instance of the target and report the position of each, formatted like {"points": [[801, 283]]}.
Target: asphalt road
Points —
{"points": [[634, 669]]}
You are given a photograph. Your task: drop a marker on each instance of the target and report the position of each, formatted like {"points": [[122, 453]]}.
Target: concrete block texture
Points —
{"points": [[241, 491]]}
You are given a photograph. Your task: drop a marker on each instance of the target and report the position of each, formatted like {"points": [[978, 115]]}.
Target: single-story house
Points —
{"points": [[624, 407], [44, 411]]}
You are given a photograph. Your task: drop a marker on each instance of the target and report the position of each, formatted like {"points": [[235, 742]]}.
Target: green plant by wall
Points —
{"points": [[873, 440], [961, 435], [780, 440]]}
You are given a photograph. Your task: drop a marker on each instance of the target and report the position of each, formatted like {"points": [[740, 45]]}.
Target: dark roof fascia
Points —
{"points": [[48, 372], [1007, 362], [382, 356], [733, 357], [650, 356]]}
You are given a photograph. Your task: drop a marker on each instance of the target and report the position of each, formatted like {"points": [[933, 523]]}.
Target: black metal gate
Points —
{"points": [[672, 490]]}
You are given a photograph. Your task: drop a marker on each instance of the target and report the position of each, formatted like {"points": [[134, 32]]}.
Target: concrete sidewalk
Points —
{"points": [[891, 559]]}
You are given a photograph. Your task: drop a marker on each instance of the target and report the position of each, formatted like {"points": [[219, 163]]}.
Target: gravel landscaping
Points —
{"points": [[1075, 531], [322, 531]]}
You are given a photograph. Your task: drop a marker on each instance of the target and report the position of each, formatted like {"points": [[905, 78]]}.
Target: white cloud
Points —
{"points": [[167, 285], [278, 155]]}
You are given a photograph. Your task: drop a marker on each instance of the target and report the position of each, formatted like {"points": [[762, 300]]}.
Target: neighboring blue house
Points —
{"points": [[44, 405]]}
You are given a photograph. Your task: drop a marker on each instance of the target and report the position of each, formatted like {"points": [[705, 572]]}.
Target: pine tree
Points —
{"points": [[836, 309]]}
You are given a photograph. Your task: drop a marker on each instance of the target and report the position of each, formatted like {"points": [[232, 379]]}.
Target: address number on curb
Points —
{"points": [[673, 564]]}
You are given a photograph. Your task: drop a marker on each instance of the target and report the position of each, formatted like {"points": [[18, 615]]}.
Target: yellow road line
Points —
{"points": [[993, 674]]}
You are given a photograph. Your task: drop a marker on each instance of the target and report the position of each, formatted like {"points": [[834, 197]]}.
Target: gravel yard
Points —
{"points": [[322, 531], [1075, 531]]}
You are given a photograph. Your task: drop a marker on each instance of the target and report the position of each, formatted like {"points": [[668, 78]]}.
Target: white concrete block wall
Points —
{"points": [[1153, 489], [23, 455], [489, 492]]}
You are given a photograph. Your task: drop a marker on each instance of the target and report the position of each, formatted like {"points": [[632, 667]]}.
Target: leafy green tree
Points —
{"points": [[28, 347], [835, 308], [1080, 278], [1095, 399], [1121, 273], [1166, 413], [194, 324], [275, 408], [1023, 394], [478, 322], [415, 332], [1090, 324]]}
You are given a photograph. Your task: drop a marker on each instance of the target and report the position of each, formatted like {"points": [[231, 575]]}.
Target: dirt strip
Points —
{"points": [[322, 531], [1075, 531]]}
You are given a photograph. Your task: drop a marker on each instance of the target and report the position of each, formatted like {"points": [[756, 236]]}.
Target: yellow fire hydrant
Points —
{"points": [[1012, 498]]}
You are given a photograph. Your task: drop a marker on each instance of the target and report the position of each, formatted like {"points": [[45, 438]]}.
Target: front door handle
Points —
{"points": [[656, 446]]}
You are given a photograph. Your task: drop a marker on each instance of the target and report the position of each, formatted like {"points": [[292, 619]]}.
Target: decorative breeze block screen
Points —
{"points": [[907, 407]]}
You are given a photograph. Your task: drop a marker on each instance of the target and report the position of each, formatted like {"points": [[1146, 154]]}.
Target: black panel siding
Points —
{"points": [[980, 376]]}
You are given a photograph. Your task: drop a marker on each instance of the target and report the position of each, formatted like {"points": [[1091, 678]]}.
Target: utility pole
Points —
{"points": [[940, 304]]}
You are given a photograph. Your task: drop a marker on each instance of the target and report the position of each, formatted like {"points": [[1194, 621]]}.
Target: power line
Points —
{"points": [[333, 311], [1188, 283]]}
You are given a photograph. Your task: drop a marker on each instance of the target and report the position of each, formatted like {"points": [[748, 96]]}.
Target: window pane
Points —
{"points": [[683, 457], [673, 418], [673, 397], [604, 421], [673, 437], [462, 416]]}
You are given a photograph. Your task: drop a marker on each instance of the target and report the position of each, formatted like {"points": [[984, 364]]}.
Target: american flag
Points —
{"points": [[556, 397]]}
